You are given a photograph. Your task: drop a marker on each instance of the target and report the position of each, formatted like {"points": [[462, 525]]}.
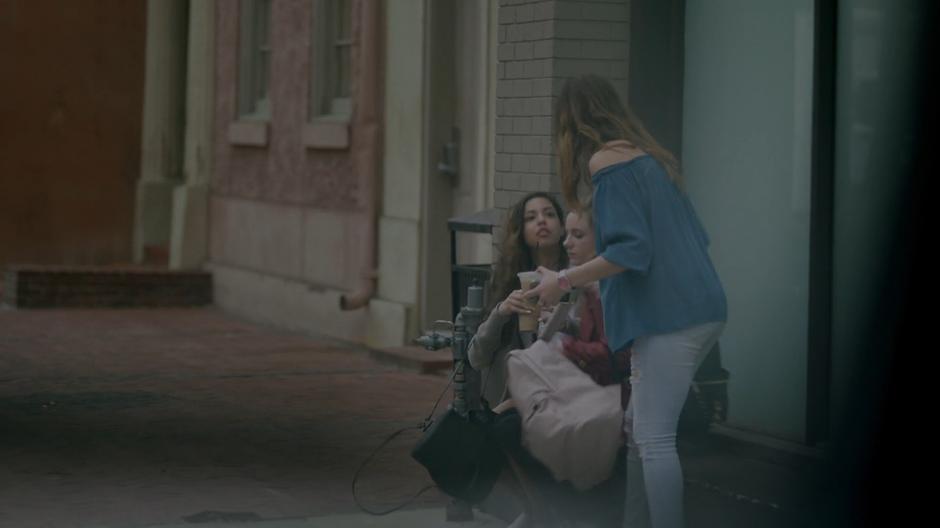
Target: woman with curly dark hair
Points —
{"points": [[532, 237]]}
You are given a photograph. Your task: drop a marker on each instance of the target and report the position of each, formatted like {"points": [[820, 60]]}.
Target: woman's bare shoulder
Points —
{"points": [[613, 153]]}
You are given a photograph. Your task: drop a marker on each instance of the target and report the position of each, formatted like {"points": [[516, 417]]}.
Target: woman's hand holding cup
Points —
{"points": [[515, 303], [547, 290], [529, 321]]}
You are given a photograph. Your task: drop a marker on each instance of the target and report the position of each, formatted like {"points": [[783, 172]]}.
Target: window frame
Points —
{"points": [[328, 122], [252, 98]]}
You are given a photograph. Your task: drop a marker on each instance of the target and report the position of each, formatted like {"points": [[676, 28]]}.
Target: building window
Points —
{"points": [[331, 82], [254, 59], [762, 94]]}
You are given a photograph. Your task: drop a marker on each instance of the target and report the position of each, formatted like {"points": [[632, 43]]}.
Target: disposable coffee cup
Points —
{"points": [[529, 322]]}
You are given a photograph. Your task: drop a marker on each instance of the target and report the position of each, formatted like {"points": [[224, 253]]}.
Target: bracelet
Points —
{"points": [[563, 281]]}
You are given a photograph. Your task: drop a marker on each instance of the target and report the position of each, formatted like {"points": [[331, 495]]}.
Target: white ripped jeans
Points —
{"points": [[662, 368]]}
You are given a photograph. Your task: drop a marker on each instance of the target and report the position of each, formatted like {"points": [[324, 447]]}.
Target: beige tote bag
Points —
{"points": [[569, 423]]}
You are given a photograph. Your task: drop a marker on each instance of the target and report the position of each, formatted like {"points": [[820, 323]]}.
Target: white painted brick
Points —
{"points": [[522, 88], [544, 106], [545, 146], [499, 181], [502, 199], [540, 163], [515, 33], [504, 88], [543, 49], [541, 87], [501, 70], [522, 125], [531, 182], [532, 31], [507, 15], [505, 52], [532, 69], [531, 144], [504, 125], [515, 70], [569, 67], [523, 51], [538, 68], [547, 67], [501, 34], [547, 29], [545, 186], [511, 182], [540, 126], [531, 107], [525, 13], [544, 11], [512, 144], [520, 163], [504, 180], [569, 29], [515, 182], [514, 107], [504, 162]]}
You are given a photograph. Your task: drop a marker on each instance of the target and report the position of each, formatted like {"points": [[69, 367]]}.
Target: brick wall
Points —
{"points": [[541, 43], [63, 287]]}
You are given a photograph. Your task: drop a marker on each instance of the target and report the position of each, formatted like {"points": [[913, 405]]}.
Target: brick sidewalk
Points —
{"points": [[135, 418], [140, 417]]}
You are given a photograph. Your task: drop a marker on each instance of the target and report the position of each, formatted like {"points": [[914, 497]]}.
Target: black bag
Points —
{"points": [[461, 455]]}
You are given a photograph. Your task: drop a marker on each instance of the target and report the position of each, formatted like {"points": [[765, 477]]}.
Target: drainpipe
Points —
{"points": [[367, 152]]}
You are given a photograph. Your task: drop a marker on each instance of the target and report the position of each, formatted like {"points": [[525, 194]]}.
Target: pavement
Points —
{"points": [[194, 418]]}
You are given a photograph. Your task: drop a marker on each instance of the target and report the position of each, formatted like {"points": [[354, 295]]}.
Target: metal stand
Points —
{"points": [[466, 386]]}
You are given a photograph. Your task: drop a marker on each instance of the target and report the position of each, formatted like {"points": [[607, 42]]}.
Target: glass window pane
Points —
{"points": [[331, 74], [254, 57], [746, 158]]}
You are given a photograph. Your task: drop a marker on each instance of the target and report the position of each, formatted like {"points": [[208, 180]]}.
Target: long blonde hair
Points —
{"points": [[588, 114]]}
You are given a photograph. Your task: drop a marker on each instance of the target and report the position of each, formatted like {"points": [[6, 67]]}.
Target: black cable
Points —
{"points": [[356, 477], [423, 426]]}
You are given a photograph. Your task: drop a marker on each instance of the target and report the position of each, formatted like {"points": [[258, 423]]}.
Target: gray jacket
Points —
{"points": [[488, 353]]}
